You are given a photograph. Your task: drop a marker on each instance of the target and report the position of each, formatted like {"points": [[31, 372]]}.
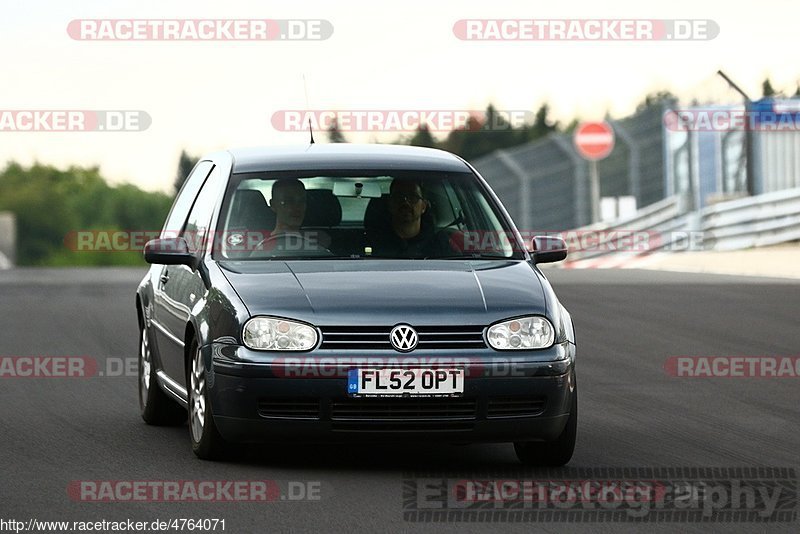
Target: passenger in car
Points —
{"points": [[289, 204]]}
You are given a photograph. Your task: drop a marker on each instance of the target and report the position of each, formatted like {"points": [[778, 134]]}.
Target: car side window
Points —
{"points": [[197, 225], [185, 199]]}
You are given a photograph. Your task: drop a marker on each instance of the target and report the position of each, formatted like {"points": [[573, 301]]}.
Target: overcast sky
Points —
{"points": [[205, 96]]}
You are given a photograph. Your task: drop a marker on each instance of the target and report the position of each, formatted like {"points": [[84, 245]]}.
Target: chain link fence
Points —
{"points": [[544, 184]]}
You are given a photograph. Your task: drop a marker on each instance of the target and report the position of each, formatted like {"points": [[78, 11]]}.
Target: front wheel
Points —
{"points": [[207, 443], [552, 453]]}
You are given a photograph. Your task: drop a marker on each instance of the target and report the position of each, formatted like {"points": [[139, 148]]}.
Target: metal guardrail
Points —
{"points": [[763, 220], [650, 223]]}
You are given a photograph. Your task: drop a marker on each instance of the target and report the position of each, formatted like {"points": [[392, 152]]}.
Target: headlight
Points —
{"points": [[523, 333], [266, 333]]}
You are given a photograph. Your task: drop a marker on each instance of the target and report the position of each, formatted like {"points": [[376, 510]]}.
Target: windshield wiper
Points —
{"points": [[475, 256], [292, 258]]}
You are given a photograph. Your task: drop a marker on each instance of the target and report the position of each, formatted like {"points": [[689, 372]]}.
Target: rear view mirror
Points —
{"points": [[362, 189], [169, 251], [547, 249]]}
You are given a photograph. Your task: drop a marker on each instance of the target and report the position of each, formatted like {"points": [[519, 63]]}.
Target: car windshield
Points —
{"points": [[361, 215]]}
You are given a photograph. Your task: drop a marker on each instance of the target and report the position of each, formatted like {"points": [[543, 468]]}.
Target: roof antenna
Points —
{"points": [[310, 130]]}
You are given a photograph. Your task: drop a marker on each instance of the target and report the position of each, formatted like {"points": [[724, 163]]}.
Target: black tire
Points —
{"points": [[552, 453], [155, 406], [207, 443]]}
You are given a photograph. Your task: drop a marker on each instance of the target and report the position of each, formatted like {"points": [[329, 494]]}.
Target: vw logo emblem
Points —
{"points": [[403, 338]]}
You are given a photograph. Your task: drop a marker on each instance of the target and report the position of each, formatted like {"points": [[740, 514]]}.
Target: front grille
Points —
{"points": [[402, 426], [401, 414], [377, 337], [515, 406], [419, 408], [289, 408]]}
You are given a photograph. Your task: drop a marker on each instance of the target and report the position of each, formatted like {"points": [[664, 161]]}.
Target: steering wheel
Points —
{"points": [[280, 241]]}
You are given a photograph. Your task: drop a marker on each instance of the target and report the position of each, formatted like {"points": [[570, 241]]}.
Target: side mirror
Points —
{"points": [[547, 249], [169, 251]]}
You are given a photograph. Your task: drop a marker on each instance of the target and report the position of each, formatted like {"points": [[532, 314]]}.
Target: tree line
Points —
{"points": [[52, 205]]}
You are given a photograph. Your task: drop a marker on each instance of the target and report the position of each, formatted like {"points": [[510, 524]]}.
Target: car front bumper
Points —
{"points": [[256, 397]]}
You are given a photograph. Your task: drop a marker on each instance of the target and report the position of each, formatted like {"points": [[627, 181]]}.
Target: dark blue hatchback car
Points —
{"points": [[353, 292]]}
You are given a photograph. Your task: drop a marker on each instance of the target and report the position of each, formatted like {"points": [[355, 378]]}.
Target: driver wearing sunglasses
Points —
{"points": [[411, 234]]}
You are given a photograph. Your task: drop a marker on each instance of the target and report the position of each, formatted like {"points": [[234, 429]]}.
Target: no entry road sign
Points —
{"points": [[594, 140]]}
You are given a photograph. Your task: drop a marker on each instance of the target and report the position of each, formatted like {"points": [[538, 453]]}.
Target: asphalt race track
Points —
{"points": [[55, 432]]}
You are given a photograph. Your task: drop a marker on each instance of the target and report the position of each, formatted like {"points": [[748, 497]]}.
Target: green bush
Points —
{"points": [[51, 204]]}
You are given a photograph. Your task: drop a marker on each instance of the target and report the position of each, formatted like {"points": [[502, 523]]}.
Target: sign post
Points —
{"points": [[594, 141]]}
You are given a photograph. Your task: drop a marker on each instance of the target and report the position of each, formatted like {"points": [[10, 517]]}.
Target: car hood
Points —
{"points": [[387, 292]]}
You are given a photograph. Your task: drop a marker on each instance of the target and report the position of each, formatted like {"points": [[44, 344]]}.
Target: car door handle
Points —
{"points": [[164, 278]]}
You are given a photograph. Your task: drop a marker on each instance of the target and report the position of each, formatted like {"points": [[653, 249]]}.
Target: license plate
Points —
{"points": [[399, 382]]}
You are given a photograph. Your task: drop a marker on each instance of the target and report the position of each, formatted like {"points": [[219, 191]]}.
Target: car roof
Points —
{"points": [[321, 156]]}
